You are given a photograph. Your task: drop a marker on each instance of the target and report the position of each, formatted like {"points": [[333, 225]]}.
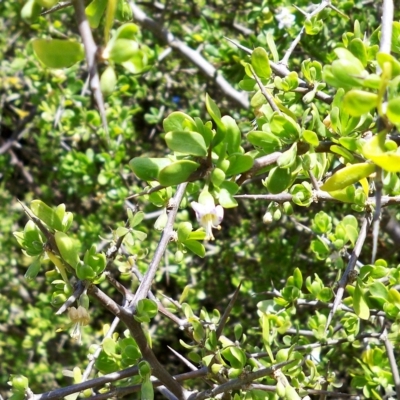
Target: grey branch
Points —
{"points": [[145, 285], [90, 51], [61, 393], [193, 56], [392, 361]]}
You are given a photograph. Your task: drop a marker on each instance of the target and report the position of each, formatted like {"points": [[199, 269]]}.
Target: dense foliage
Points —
{"points": [[201, 190]]}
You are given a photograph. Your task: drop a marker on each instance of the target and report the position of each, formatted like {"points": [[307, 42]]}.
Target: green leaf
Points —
{"points": [[68, 247], [127, 31], [108, 81], [265, 140], [260, 62], [313, 26], [94, 11], [57, 53], [347, 176], [109, 19], [279, 179], [214, 112], [285, 127], [178, 121], [195, 247], [46, 214], [393, 110], [360, 305], [359, 102], [232, 135], [394, 297], [217, 176], [297, 278], [177, 172], [123, 50], [320, 248], [302, 194], [379, 292], [33, 269], [288, 158], [359, 49], [184, 229], [31, 11], [272, 46], [148, 168], [109, 346], [227, 191], [185, 142], [147, 390], [239, 163], [147, 307], [375, 150], [310, 137], [383, 58], [342, 152], [85, 273]]}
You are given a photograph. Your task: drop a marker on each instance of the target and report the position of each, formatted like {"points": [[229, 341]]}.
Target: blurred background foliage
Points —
{"points": [[60, 154]]}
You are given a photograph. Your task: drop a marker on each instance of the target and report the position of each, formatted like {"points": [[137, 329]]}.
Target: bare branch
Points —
{"points": [[120, 392], [79, 288], [227, 312], [90, 51], [265, 93], [62, 392], [387, 22], [162, 245], [137, 333], [193, 56], [392, 361], [57, 7]]}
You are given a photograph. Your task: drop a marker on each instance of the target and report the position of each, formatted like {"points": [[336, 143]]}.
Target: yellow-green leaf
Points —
{"points": [[260, 62], [359, 102], [360, 305], [57, 53], [347, 176]]}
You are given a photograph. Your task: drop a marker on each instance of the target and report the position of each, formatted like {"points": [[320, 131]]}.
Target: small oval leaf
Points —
{"points": [[176, 173], [186, 142], [57, 53]]}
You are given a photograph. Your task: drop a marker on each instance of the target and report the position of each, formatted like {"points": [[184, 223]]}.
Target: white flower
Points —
{"points": [[80, 317], [209, 216], [285, 18]]}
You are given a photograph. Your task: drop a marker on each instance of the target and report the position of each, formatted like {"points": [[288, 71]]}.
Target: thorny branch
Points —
{"points": [[90, 51], [193, 56], [165, 239]]}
